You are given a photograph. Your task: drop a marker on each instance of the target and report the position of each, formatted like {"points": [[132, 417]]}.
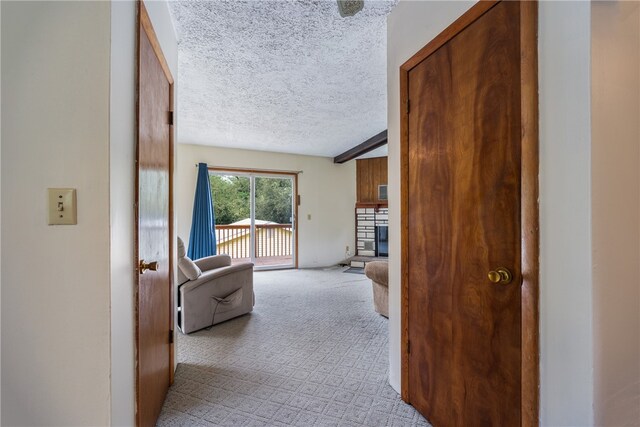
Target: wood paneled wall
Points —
{"points": [[370, 173]]}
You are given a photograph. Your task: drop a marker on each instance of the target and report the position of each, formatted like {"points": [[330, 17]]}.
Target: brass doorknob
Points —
{"points": [[500, 275], [144, 266]]}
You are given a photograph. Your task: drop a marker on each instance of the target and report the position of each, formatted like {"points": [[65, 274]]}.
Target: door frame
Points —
{"points": [[144, 24], [529, 215], [296, 202]]}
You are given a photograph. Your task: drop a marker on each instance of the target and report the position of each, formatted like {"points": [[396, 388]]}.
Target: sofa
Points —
{"points": [[211, 290], [378, 272]]}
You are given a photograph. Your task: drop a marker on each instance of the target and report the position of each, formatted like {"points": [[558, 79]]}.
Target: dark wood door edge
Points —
{"points": [[530, 213], [529, 198], [144, 24]]}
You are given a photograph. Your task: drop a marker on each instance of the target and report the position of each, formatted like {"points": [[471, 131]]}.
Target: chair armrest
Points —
{"points": [[378, 271], [212, 262], [214, 274]]}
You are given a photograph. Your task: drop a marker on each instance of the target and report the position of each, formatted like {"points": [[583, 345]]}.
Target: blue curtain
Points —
{"points": [[202, 241]]}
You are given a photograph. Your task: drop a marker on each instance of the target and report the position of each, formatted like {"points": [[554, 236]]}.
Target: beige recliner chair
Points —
{"points": [[378, 272], [211, 290]]}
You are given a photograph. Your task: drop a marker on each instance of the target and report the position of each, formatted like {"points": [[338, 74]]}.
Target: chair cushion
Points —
{"points": [[181, 250], [212, 262], [189, 268]]}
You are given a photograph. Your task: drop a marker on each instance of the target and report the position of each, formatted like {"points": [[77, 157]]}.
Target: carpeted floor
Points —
{"points": [[312, 353]]}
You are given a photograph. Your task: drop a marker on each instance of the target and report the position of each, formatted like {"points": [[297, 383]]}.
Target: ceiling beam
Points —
{"points": [[370, 144]]}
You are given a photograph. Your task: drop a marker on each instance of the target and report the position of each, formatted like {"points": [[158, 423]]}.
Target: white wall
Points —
{"points": [[55, 279], [122, 186], [70, 103], [565, 326], [327, 190], [410, 26], [615, 65], [122, 183], [566, 342]]}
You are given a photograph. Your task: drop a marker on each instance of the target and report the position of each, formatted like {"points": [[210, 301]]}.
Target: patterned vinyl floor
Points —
{"points": [[312, 353]]}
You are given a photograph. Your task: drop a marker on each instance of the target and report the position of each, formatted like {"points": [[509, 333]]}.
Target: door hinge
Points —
{"points": [[409, 347], [171, 336], [298, 200], [170, 117], [408, 106]]}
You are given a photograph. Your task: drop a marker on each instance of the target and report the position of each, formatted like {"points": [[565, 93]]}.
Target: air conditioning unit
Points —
{"points": [[382, 192]]}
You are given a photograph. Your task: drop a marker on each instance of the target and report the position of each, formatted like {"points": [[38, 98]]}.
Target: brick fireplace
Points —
{"points": [[369, 220]]}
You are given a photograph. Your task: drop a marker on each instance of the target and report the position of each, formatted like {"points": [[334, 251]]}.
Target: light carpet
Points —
{"points": [[312, 353]]}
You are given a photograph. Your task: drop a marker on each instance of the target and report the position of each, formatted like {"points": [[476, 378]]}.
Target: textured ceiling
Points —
{"points": [[285, 76]]}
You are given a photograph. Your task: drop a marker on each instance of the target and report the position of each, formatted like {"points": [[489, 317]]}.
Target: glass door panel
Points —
{"points": [[231, 195], [274, 222]]}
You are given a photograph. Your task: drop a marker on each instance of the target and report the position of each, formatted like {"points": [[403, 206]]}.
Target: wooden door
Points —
{"points": [[463, 220], [154, 297]]}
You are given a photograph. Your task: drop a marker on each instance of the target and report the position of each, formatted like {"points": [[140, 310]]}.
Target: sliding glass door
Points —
{"points": [[255, 217], [273, 225]]}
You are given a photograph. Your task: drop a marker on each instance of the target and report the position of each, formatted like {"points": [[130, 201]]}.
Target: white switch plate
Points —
{"points": [[62, 206]]}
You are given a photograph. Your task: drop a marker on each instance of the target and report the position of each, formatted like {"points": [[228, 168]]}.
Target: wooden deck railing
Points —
{"points": [[271, 240]]}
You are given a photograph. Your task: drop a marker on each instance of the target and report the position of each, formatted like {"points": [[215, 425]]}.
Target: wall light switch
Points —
{"points": [[62, 206]]}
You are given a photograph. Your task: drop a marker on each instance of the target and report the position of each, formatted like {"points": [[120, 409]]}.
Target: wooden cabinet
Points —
{"points": [[370, 173]]}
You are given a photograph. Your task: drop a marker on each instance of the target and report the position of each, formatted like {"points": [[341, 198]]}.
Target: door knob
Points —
{"points": [[500, 275], [144, 266]]}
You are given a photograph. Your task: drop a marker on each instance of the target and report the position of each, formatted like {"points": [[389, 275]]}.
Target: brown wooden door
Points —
{"points": [[154, 301], [463, 189]]}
